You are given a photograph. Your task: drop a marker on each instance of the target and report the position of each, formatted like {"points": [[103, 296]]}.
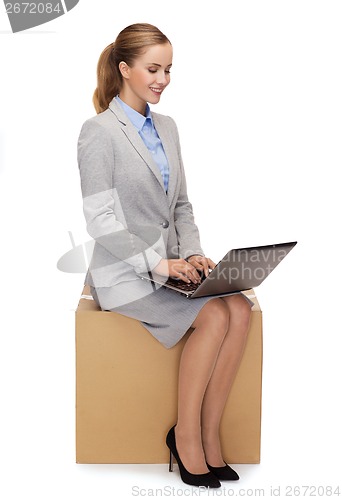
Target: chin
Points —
{"points": [[154, 100]]}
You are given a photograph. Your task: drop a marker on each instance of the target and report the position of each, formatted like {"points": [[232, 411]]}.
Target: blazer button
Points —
{"points": [[165, 224]]}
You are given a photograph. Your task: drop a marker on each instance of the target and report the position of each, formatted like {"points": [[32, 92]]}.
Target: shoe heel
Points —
{"points": [[208, 479], [171, 462]]}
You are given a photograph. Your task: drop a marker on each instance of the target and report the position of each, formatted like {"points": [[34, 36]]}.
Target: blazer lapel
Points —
{"points": [[135, 139], [169, 148]]}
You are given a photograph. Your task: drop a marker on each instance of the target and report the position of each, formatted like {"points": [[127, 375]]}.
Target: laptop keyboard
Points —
{"points": [[186, 287]]}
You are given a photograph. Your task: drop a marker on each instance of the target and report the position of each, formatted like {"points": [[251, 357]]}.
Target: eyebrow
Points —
{"points": [[159, 65]]}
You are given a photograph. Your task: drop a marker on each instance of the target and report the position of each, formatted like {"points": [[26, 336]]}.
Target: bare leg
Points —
{"points": [[223, 376], [197, 363]]}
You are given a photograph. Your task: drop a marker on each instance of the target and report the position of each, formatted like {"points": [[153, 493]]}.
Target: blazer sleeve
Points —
{"points": [[96, 161], [187, 231]]}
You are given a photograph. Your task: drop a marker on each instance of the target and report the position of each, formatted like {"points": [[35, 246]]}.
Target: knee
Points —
{"points": [[216, 318], [241, 311]]}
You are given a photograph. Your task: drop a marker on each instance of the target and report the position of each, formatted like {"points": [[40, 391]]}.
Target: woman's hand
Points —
{"points": [[203, 264], [178, 268]]}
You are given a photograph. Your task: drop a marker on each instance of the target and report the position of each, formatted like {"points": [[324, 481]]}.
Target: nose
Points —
{"points": [[162, 78]]}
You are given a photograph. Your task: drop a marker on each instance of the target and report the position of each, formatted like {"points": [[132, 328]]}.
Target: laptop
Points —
{"points": [[239, 270]]}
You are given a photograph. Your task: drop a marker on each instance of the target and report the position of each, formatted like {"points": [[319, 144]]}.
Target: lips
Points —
{"points": [[156, 90]]}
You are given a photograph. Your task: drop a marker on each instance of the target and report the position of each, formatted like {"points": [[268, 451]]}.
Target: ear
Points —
{"points": [[124, 69]]}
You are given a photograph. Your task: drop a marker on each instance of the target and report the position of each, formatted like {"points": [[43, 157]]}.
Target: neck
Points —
{"points": [[133, 101]]}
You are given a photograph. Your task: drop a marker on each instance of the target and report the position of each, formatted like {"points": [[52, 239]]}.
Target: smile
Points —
{"points": [[159, 91]]}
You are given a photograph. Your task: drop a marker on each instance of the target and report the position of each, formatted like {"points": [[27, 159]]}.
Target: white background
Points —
{"points": [[256, 93]]}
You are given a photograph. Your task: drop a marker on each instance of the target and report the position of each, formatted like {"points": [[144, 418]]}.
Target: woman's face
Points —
{"points": [[147, 78]]}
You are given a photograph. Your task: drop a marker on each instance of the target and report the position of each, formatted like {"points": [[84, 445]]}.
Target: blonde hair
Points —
{"points": [[129, 44]]}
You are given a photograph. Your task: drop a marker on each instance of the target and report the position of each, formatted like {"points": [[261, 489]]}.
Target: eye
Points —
{"points": [[152, 70]]}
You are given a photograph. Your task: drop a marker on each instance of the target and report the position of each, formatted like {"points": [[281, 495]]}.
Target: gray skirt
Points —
{"points": [[165, 313]]}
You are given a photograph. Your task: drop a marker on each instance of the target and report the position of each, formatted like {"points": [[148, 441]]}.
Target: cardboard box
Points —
{"points": [[126, 391]]}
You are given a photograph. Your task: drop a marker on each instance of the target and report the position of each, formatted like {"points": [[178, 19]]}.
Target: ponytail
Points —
{"points": [[129, 44], [109, 80]]}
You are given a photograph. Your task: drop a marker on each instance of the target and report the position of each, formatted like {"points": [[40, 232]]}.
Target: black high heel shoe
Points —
{"points": [[208, 479], [225, 473]]}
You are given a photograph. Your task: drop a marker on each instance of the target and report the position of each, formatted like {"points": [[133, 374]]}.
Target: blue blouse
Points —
{"points": [[148, 133]]}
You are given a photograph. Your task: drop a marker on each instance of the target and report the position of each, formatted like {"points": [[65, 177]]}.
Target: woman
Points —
{"points": [[137, 210]]}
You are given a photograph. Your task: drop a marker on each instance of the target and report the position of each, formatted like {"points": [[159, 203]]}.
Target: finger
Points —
{"points": [[200, 263], [211, 264], [183, 277], [193, 275], [202, 266], [176, 271], [186, 272], [197, 264], [205, 267], [200, 269]]}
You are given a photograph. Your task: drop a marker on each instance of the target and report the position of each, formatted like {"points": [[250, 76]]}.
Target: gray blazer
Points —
{"points": [[133, 221]]}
